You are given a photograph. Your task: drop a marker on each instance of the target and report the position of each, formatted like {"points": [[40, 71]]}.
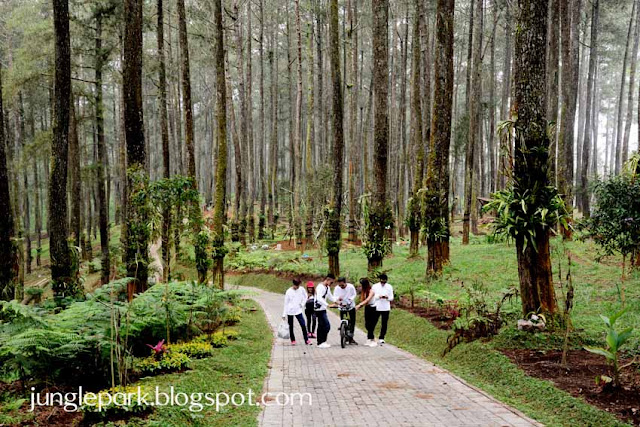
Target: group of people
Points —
{"points": [[315, 301]]}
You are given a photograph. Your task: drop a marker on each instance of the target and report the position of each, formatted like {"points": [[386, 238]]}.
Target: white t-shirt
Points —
{"points": [[294, 301], [382, 304], [323, 296], [348, 294]]}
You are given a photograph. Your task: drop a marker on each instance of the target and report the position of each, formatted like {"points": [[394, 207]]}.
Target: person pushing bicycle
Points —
{"points": [[345, 295]]}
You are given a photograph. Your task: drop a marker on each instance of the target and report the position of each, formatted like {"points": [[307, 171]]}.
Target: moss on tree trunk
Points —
{"points": [[219, 249], [532, 153]]}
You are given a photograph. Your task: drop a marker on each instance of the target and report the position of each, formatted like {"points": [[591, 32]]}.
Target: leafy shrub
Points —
{"points": [[232, 316], [75, 345], [216, 340], [168, 362], [476, 319], [615, 221], [193, 349], [115, 405]]}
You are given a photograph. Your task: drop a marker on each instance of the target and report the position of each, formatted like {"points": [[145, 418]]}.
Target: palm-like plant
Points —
{"points": [[614, 341]]}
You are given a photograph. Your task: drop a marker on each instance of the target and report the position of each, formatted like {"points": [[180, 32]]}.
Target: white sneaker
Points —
{"points": [[324, 345], [381, 342], [368, 343], [373, 344]]}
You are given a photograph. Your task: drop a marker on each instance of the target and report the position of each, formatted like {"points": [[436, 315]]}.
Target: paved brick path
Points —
{"points": [[362, 386]]}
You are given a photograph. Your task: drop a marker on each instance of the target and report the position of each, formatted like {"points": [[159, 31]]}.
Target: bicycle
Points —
{"points": [[346, 337]]}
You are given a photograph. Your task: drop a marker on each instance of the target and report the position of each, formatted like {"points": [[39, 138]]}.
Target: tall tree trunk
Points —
{"points": [[568, 110], [310, 142], [38, 199], [8, 255], [137, 254], [251, 225], [103, 203], [531, 153], [380, 213], [632, 78], [273, 155], [352, 37], [582, 102], [263, 140], [62, 282], [296, 172], [436, 213], [221, 137], [74, 175], [242, 227], [492, 103], [187, 104], [505, 140], [197, 222], [26, 208], [416, 134], [239, 205], [320, 124], [334, 213], [166, 154], [586, 146], [619, 115], [474, 122], [552, 78], [401, 157]]}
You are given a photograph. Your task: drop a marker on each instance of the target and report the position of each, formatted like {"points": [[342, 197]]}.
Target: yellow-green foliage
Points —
{"points": [[112, 402], [168, 362], [233, 315], [216, 340], [193, 349]]}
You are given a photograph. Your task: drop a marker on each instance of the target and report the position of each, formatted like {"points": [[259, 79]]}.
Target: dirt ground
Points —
{"points": [[579, 379]]}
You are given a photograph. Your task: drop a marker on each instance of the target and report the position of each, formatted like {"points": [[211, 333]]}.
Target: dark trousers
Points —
{"points": [[352, 319], [385, 319], [311, 319], [302, 325], [323, 326], [370, 320]]}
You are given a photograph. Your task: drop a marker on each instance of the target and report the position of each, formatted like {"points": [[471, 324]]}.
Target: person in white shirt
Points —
{"points": [[345, 295], [294, 301], [323, 295], [382, 297]]}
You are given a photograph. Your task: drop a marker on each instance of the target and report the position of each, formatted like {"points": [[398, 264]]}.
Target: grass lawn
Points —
{"points": [[479, 363], [240, 366]]}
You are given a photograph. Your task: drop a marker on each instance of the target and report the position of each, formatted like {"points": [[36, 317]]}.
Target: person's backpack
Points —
{"points": [[311, 302]]}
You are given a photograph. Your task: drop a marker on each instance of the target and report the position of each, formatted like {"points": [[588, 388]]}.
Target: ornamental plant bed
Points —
{"points": [[579, 379]]}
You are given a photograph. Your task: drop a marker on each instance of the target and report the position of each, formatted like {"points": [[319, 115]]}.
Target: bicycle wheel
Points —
{"points": [[343, 334]]}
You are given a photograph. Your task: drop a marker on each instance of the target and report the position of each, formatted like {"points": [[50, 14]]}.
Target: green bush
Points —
{"points": [[168, 362], [614, 223], [233, 315], [193, 349], [216, 340], [74, 345]]}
